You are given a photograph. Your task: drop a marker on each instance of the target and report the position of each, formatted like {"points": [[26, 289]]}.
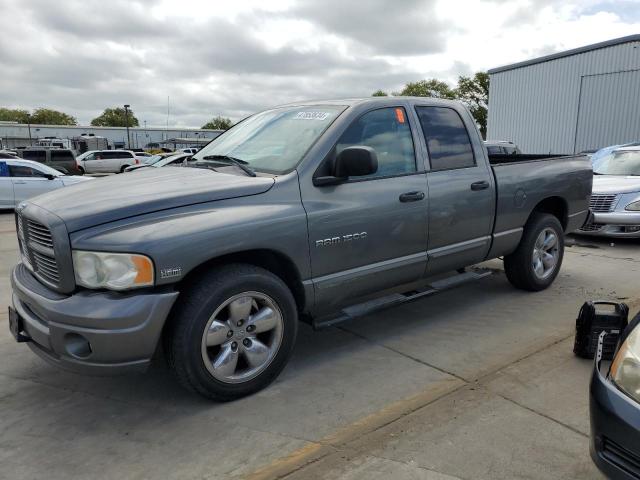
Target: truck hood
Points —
{"points": [[612, 184], [108, 199]]}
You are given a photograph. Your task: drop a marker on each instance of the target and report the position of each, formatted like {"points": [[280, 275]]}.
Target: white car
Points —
{"points": [[190, 151], [106, 161], [22, 179], [615, 201]]}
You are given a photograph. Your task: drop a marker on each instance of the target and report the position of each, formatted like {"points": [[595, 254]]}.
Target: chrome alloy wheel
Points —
{"points": [[242, 337], [546, 253]]}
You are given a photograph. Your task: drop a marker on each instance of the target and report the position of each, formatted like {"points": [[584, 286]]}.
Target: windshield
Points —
{"points": [[152, 159], [274, 141], [167, 160], [618, 162]]}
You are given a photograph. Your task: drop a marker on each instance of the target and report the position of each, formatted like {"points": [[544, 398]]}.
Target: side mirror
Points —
{"points": [[353, 161], [49, 176]]}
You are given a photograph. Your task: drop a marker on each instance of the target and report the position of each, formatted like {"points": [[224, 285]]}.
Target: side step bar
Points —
{"points": [[394, 299]]}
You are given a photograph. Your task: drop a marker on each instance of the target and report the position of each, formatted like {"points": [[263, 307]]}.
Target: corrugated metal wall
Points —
{"points": [[536, 106]]}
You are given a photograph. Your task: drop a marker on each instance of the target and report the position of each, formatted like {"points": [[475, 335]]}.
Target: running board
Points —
{"points": [[394, 299]]}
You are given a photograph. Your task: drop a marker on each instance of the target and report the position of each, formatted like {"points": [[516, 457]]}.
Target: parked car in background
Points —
{"points": [[107, 161], [615, 201], [603, 152], [61, 159], [308, 211], [191, 150], [614, 408], [501, 147], [22, 179], [163, 161], [8, 154]]}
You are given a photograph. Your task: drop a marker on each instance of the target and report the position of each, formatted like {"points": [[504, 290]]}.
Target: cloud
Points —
{"points": [[235, 58]]}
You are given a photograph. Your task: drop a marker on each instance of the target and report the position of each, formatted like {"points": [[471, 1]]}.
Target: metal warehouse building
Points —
{"points": [[570, 101]]}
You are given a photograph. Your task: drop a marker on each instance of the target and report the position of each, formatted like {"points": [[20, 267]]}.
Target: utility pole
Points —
{"points": [[126, 119], [29, 127]]}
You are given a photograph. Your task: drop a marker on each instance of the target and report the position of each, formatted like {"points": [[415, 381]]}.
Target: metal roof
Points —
{"points": [[568, 53]]}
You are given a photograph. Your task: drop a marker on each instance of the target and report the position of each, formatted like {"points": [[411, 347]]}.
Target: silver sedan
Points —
{"points": [[615, 201]]}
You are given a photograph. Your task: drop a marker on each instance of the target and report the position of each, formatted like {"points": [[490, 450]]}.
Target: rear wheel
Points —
{"points": [[537, 260], [232, 333]]}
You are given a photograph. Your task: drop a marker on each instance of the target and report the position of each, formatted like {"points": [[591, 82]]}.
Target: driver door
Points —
{"points": [[370, 232]]}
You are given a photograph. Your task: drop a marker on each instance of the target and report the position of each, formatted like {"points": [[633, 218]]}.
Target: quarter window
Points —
{"points": [[447, 138], [387, 131]]}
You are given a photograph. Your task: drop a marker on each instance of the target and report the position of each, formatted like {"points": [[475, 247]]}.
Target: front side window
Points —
{"points": [[447, 138], [22, 171], [387, 131], [35, 155], [273, 141]]}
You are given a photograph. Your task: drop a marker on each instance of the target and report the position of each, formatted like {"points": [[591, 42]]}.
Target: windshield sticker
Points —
{"points": [[312, 115]]}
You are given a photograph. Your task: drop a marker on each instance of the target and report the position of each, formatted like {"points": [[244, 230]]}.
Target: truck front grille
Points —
{"points": [[37, 250], [603, 203]]}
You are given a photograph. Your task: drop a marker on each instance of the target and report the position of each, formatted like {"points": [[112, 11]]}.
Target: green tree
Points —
{"points": [[474, 93], [115, 117], [46, 116], [218, 123], [427, 88], [379, 93], [14, 115]]}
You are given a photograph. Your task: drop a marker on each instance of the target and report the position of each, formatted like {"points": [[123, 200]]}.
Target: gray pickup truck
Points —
{"points": [[317, 211]]}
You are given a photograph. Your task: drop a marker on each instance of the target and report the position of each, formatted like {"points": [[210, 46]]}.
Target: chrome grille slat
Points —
{"points": [[603, 203], [33, 237]]}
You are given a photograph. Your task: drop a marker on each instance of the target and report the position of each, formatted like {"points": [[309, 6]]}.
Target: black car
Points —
{"points": [[615, 409]]}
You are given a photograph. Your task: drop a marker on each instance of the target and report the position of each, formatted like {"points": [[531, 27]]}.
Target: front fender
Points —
{"points": [[181, 239]]}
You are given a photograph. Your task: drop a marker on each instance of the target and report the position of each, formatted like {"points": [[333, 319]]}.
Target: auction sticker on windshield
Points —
{"points": [[312, 115]]}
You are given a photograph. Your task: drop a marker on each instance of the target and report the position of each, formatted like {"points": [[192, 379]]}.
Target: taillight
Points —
{"points": [[137, 161]]}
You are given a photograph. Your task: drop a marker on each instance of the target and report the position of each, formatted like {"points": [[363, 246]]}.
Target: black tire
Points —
{"points": [[183, 337], [81, 170], [122, 169], [519, 265]]}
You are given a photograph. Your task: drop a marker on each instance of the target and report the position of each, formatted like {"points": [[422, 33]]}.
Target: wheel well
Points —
{"points": [[555, 206], [275, 262]]}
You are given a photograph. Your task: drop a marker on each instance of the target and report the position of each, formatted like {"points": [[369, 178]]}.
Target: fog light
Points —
{"points": [[77, 346]]}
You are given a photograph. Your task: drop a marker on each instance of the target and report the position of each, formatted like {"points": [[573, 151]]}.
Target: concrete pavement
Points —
{"points": [[477, 382]]}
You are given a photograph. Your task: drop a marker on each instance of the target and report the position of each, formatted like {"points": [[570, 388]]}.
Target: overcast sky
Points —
{"points": [[233, 58]]}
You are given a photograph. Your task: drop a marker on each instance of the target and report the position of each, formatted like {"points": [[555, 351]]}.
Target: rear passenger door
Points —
{"points": [[461, 190]]}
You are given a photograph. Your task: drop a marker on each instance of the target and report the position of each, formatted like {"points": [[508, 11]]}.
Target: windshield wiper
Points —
{"points": [[233, 161]]}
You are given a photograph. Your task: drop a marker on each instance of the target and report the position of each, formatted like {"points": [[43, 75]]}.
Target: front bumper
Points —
{"points": [[615, 430], [613, 224], [90, 332]]}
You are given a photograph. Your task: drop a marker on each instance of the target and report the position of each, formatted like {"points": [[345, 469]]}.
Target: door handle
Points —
{"points": [[411, 197], [483, 185], [19, 183]]}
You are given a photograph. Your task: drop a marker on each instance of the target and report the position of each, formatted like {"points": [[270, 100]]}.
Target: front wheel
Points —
{"points": [[232, 332], [536, 262]]}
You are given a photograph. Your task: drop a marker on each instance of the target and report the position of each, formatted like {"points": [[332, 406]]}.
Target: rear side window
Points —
{"points": [[61, 156], [35, 155], [447, 138], [387, 131]]}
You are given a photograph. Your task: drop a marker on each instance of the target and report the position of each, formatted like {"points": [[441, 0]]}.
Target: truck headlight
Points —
{"points": [[115, 271], [625, 369], [633, 206]]}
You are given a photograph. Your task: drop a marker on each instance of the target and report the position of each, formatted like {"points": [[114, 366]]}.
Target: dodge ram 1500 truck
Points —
{"points": [[316, 211]]}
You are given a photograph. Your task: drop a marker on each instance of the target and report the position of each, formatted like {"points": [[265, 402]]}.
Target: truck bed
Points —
{"points": [[523, 181], [527, 157]]}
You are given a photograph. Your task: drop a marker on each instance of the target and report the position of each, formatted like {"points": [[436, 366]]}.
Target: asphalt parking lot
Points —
{"points": [[475, 383]]}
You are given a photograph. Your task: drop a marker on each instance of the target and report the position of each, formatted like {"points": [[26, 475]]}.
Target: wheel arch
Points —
{"points": [[556, 206], [271, 260]]}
